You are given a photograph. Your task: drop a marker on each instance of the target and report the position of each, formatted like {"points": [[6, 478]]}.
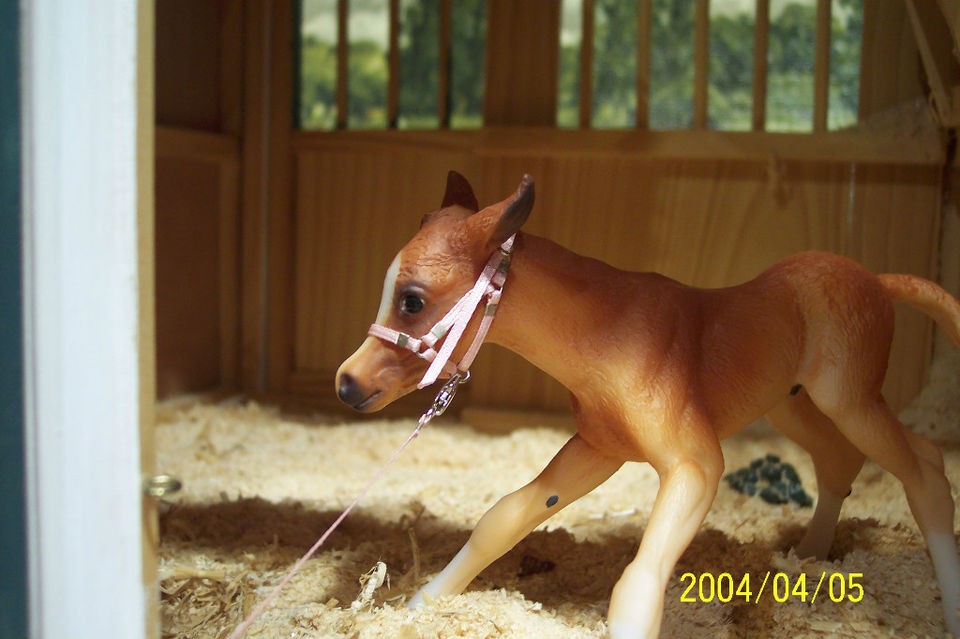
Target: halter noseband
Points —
{"points": [[490, 286]]}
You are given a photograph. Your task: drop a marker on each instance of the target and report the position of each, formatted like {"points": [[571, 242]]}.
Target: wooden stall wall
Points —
{"points": [[272, 243], [705, 207], [708, 222], [198, 112]]}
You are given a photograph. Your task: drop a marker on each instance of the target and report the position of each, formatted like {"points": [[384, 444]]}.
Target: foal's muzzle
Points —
{"points": [[354, 394]]}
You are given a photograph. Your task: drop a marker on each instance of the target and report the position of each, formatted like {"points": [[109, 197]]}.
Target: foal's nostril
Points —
{"points": [[348, 390], [345, 387]]}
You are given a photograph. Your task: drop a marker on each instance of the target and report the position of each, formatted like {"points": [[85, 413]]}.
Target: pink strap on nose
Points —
{"points": [[451, 328]]}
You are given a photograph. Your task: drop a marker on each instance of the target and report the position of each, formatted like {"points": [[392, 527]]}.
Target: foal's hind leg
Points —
{"points": [[872, 427], [835, 460]]}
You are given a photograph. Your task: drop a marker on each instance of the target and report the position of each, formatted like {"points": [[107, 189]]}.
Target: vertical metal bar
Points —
{"points": [[701, 63], [821, 67], [444, 55], [393, 64], [644, 8], [586, 65], [343, 63], [761, 40]]}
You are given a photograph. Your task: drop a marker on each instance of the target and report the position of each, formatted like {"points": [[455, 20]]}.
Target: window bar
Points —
{"points": [[701, 63], [393, 61], [444, 53], [821, 67], [761, 40], [343, 66], [586, 65], [644, 9]]}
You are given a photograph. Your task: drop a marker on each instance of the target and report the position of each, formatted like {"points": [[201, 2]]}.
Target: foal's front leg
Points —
{"points": [[575, 470], [688, 484]]}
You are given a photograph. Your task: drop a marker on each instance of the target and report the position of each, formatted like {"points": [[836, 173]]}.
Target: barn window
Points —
{"points": [[736, 65], [775, 65], [406, 64]]}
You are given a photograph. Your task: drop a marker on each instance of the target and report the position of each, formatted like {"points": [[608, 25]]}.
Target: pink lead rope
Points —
{"points": [[454, 323]]}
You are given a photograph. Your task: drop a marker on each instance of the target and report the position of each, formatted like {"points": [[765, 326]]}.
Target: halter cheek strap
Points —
{"points": [[450, 329]]}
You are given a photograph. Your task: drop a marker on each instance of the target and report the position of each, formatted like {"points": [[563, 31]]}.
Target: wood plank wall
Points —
{"points": [[708, 222], [271, 243], [198, 113]]}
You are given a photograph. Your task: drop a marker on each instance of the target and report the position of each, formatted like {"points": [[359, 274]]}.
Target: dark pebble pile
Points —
{"points": [[776, 482]]}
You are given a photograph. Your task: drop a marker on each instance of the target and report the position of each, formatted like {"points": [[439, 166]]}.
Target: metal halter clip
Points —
{"points": [[443, 399]]}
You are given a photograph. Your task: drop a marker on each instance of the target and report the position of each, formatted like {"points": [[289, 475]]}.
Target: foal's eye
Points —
{"points": [[411, 304]]}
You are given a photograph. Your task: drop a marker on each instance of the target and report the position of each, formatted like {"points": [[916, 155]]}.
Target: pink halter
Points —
{"points": [[490, 286]]}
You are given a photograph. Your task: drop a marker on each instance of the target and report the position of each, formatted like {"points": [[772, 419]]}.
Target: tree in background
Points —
{"points": [[614, 104], [318, 84], [730, 97], [467, 76], [418, 69], [419, 63], [615, 64], [845, 45]]}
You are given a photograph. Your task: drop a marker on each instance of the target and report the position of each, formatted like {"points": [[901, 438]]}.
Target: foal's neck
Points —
{"points": [[553, 302]]}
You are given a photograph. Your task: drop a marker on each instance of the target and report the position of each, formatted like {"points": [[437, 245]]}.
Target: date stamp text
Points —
{"points": [[707, 587]]}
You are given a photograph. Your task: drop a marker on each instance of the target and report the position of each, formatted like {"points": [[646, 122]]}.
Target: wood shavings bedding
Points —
{"points": [[259, 488]]}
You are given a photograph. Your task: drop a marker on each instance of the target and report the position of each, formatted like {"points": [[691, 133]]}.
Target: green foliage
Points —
{"points": [[469, 47], [790, 69], [367, 85], [419, 63], [318, 84], [789, 80], [568, 87], [730, 92], [615, 64], [845, 45], [418, 69]]}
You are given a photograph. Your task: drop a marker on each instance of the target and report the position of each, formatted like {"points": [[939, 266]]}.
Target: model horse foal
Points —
{"points": [[661, 372]]}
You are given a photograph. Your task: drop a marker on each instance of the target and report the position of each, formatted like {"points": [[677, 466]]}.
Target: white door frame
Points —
{"points": [[82, 332]]}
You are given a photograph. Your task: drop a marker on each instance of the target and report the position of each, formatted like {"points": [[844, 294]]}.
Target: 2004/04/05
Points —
{"points": [[706, 587]]}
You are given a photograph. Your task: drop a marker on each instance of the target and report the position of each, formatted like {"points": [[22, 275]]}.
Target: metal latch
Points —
{"points": [[160, 486]]}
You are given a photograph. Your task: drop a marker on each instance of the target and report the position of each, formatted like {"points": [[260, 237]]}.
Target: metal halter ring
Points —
{"points": [[445, 397]]}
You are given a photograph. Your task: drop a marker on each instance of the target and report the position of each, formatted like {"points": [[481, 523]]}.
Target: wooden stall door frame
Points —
{"points": [[87, 96]]}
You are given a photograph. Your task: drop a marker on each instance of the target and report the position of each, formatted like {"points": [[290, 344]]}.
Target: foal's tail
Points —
{"points": [[928, 298]]}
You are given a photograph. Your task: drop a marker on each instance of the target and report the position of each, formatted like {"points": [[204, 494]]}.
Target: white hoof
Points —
{"points": [[421, 600]]}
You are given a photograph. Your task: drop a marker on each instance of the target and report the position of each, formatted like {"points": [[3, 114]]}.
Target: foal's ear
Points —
{"points": [[517, 209], [459, 192]]}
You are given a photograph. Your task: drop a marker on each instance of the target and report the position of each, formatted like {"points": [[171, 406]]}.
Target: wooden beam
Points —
{"points": [[175, 142], [393, 64], [231, 66], [761, 43], [888, 61], [343, 64], [863, 147], [644, 10], [229, 274], [443, 54], [279, 297], [821, 66], [253, 195], [951, 13], [521, 63], [586, 64], [935, 42], [701, 63]]}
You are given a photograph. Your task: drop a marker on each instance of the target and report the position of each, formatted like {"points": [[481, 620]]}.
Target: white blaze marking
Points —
{"points": [[389, 286]]}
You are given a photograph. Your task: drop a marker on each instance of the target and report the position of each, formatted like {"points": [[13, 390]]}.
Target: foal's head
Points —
{"points": [[427, 277]]}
